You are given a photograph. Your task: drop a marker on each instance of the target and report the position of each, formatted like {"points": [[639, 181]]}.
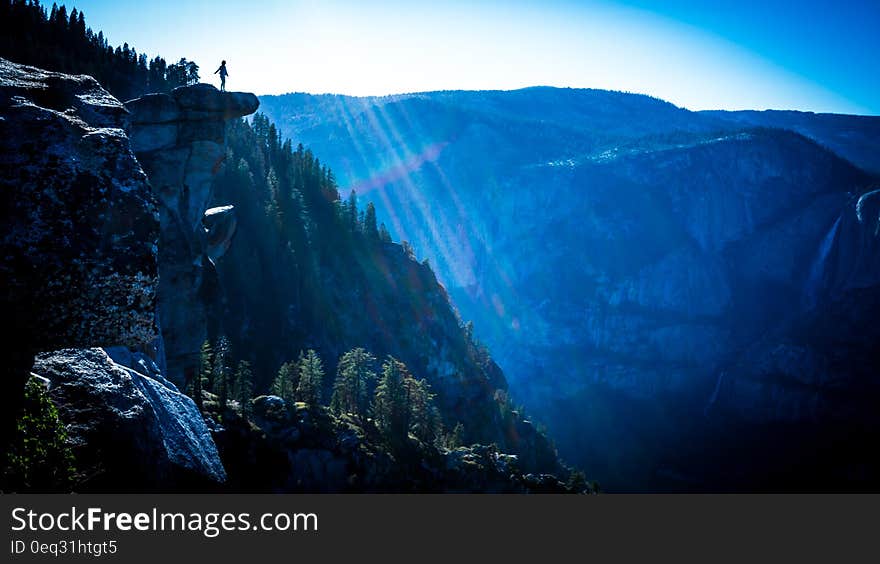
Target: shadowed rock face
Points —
{"points": [[80, 238], [78, 223], [179, 139], [821, 365], [129, 431], [298, 449]]}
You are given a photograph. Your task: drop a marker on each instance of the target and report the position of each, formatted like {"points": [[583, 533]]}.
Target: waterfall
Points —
{"points": [[817, 269]]}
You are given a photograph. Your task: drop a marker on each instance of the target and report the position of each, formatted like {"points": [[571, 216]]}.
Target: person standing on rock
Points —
{"points": [[223, 75]]}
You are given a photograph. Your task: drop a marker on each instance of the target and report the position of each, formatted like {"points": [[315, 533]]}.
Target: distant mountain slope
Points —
{"points": [[482, 138], [619, 255], [856, 138]]}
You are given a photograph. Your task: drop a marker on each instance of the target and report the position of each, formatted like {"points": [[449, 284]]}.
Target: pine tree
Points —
{"points": [[352, 211], [577, 482], [81, 25], [206, 366], [424, 416], [194, 389], [39, 455], [222, 372], [61, 20], [286, 381], [455, 438], [370, 228], [273, 142], [384, 235], [192, 72], [182, 73], [311, 378], [195, 383], [408, 250], [354, 374], [244, 387], [391, 402]]}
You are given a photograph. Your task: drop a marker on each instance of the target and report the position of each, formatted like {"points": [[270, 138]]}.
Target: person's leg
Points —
{"points": [[222, 83]]}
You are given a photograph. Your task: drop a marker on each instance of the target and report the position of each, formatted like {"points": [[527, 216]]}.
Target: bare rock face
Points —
{"points": [[179, 139], [821, 366], [852, 259], [80, 240], [130, 431], [78, 222], [79, 225]]}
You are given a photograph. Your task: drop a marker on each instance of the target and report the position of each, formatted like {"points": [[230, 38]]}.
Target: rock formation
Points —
{"points": [[179, 140], [129, 431], [85, 245], [820, 365], [295, 448], [220, 225], [79, 223]]}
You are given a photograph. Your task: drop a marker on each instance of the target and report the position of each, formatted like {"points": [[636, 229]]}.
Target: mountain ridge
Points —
{"points": [[718, 119], [560, 231]]}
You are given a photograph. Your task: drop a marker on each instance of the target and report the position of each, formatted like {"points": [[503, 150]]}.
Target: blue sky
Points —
{"points": [[814, 55]]}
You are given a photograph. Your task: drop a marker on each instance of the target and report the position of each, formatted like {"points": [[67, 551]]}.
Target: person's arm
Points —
{"points": [[216, 71]]}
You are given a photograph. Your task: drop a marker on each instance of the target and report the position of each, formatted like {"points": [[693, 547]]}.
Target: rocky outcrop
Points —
{"points": [[852, 260], [300, 449], [220, 225], [82, 245], [179, 139], [79, 225], [129, 431]]}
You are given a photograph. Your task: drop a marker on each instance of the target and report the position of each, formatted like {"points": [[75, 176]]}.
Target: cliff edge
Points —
{"points": [[99, 251]]}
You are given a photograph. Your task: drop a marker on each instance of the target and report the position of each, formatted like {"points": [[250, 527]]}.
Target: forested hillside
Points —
{"points": [[61, 41], [310, 271]]}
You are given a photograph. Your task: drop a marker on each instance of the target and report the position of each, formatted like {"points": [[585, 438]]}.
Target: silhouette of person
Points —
{"points": [[223, 75]]}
